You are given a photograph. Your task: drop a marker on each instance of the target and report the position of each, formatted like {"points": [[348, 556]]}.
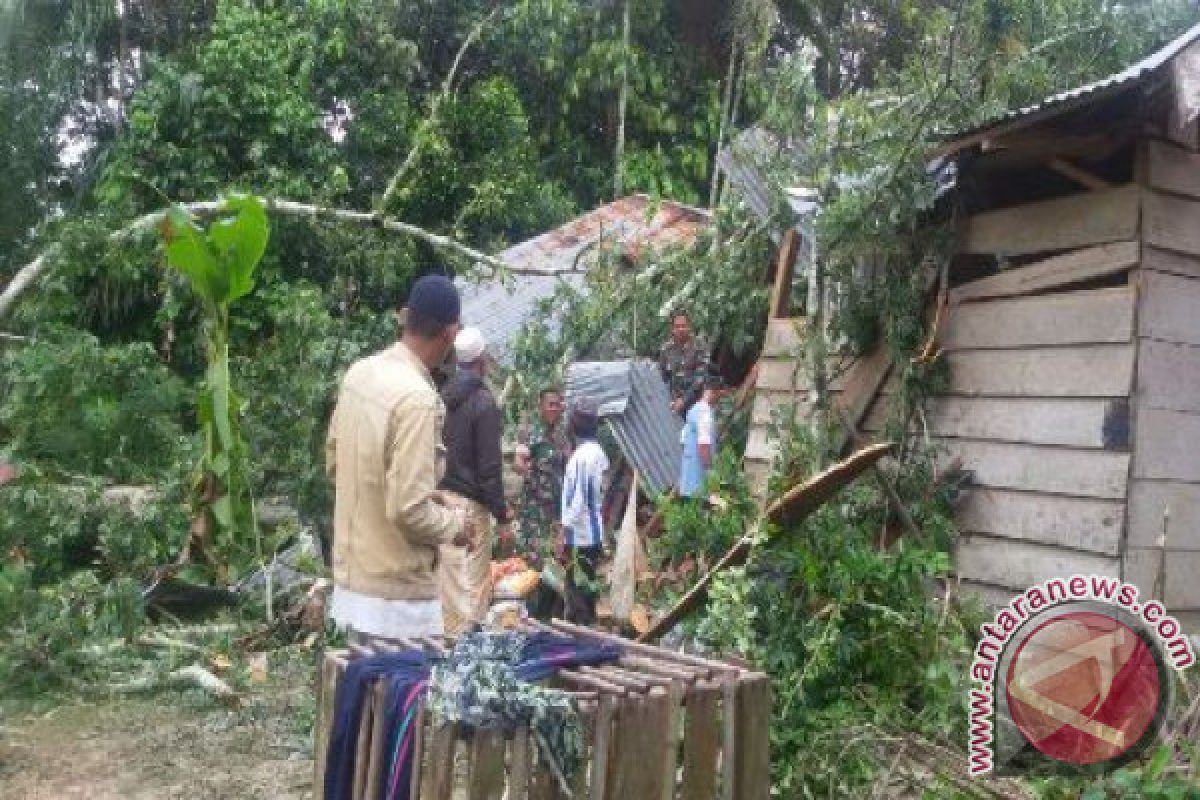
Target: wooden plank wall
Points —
{"points": [[784, 383], [1042, 368], [1166, 460], [785, 386]]}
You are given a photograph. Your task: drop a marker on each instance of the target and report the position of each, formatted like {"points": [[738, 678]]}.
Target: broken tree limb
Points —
{"points": [[885, 483], [27, 275], [795, 504], [194, 676]]}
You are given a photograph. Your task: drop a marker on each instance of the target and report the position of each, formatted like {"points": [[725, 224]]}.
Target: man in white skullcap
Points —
{"points": [[473, 480]]}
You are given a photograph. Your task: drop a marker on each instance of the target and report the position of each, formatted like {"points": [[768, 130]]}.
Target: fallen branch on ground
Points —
{"points": [[795, 504], [194, 676]]}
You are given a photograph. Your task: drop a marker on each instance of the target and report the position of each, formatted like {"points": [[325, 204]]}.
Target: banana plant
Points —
{"points": [[219, 263]]}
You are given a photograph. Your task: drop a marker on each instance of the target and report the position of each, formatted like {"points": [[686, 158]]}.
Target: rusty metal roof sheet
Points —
{"points": [[1072, 98], [635, 403], [501, 311]]}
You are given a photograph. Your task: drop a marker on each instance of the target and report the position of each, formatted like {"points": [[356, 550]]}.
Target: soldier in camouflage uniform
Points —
{"points": [[547, 451], [684, 364]]}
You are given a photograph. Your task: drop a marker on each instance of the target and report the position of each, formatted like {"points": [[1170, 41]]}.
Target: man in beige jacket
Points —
{"points": [[385, 454]]}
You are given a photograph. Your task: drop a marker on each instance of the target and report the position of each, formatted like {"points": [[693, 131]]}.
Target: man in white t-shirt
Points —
{"points": [[582, 520]]}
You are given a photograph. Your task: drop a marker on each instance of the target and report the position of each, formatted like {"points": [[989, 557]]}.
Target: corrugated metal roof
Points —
{"points": [[635, 403], [741, 159], [501, 311], [1074, 98]]}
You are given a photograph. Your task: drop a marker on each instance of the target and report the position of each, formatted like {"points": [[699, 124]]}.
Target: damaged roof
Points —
{"points": [[1071, 99], [744, 162], [501, 310], [634, 401]]}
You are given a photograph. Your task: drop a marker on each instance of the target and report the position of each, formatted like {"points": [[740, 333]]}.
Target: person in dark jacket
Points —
{"points": [[473, 481]]}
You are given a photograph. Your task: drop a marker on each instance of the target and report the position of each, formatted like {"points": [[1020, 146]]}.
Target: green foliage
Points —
{"points": [[1152, 777], [123, 421], [44, 628], [692, 530], [847, 633], [624, 311]]}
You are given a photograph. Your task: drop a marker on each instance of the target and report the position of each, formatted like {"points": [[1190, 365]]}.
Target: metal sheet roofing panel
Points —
{"points": [[501, 311], [645, 428], [1074, 98]]}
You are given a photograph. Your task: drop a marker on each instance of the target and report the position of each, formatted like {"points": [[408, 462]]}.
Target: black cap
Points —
{"points": [[434, 298]]}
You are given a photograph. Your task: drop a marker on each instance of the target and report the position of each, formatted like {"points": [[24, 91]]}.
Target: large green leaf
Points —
{"points": [[188, 252], [240, 241]]}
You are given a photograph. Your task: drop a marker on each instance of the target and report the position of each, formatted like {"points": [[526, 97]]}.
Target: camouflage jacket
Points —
{"points": [[540, 497], [684, 369]]}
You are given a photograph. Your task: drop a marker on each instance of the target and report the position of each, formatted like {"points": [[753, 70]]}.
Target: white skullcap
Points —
{"points": [[469, 345]]}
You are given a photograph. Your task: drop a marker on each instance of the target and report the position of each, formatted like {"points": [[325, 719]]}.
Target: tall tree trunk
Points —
{"points": [[726, 105], [622, 101]]}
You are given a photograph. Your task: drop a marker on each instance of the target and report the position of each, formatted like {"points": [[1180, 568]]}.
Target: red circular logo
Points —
{"points": [[1083, 687]]}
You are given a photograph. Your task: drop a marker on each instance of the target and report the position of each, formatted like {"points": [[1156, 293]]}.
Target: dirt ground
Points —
{"points": [[167, 745]]}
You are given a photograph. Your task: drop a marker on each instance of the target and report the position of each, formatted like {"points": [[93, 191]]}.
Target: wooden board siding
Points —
{"points": [[1104, 370], [1168, 375], [1172, 169], [1017, 565], [1057, 272], [992, 597], [1038, 410], [1072, 522], [1086, 317], [1063, 223], [784, 338], [1147, 502], [1170, 263], [1051, 470], [783, 375], [1168, 445], [1171, 223], [1166, 460], [1067, 422], [1182, 588], [767, 402], [1170, 308]]}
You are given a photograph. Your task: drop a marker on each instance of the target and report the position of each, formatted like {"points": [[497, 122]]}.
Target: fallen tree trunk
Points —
{"points": [[795, 504], [27, 275]]}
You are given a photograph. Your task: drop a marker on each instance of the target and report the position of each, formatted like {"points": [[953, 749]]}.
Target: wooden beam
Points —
{"points": [[781, 292], [1053, 273], [1078, 174], [790, 509], [1042, 145], [1078, 220]]}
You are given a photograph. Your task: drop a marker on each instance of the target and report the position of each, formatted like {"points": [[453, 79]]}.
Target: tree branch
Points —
{"points": [[434, 110], [36, 269]]}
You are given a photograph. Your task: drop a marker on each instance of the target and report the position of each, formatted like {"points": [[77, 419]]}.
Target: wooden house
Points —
{"points": [[1072, 336]]}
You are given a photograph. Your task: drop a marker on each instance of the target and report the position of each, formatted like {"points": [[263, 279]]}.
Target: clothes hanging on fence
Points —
{"points": [[487, 681]]}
